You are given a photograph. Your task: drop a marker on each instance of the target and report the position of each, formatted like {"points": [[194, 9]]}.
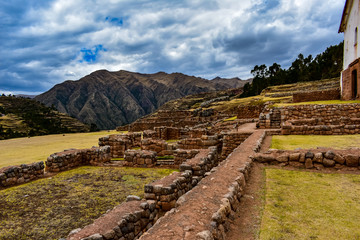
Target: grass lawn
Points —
{"points": [[51, 208], [291, 142], [308, 205], [28, 150]]}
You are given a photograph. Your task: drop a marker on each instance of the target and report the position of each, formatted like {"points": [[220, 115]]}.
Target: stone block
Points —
{"points": [[308, 163], [352, 160]]}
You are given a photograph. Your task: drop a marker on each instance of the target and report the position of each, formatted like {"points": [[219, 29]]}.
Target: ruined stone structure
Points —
{"points": [[72, 158], [350, 79], [23, 173]]}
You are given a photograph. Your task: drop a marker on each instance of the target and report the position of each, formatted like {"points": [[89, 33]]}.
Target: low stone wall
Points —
{"points": [[229, 204], [231, 141], [181, 155], [312, 159], [167, 190], [13, 175], [119, 143], [140, 158], [168, 133], [249, 111], [72, 158], [333, 94], [126, 221], [203, 162], [161, 147], [270, 118], [199, 143]]}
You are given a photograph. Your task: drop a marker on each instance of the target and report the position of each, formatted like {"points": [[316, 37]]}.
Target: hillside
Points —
{"points": [[111, 99], [26, 117]]}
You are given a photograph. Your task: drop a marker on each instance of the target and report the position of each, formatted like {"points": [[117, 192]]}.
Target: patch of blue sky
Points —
{"points": [[115, 21], [91, 55]]}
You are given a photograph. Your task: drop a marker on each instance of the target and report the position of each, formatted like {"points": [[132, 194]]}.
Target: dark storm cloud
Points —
{"points": [[47, 42]]}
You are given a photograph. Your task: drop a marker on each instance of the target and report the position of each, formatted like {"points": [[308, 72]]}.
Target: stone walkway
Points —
{"points": [[197, 206]]}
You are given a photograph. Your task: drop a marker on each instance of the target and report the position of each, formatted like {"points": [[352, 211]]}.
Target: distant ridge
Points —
{"points": [[111, 99]]}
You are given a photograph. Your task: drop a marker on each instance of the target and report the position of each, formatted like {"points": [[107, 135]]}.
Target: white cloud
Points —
{"points": [[199, 37]]}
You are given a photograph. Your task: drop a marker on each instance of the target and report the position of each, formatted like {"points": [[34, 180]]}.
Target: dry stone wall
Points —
{"points": [[312, 159], [69, 159], [333, 94], [126, 221], [161, 147], [181, 155], [199, 143], [140, 158], [119, 143], [231, 141], [23, 173]]}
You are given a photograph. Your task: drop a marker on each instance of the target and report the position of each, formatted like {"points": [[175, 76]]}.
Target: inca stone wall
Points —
{"points": [[199, 143], [23, 173], [119, 143], [231, 141], [318, 159], [69, 159], [333, 94], [140, 158]]}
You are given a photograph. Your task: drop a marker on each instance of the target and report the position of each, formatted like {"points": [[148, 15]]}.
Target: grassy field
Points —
{"points": [[27, 150], [307, 205], [51, 208], [291, 142]]}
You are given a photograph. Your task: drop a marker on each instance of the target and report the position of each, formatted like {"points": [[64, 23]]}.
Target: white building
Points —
{"points": [[350, 23]]}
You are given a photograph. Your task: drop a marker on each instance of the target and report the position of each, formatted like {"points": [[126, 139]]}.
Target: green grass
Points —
{"points": [[307, 205], [291, 142], [117, 159], [35, 149], [172, 140], [230, 119], [316, 102], [51, 208], [165, 157]]}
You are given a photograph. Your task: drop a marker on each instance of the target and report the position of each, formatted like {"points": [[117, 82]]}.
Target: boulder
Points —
{"points": [[329, 155], [352, 160], [328, 162], [308, 163]]}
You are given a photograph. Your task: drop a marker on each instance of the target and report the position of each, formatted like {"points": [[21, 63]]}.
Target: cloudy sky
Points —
{"points": [[45, 42]]}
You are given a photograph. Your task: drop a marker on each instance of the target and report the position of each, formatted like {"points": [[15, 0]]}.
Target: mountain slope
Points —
{"points": [[111, 99], [21, 117]]}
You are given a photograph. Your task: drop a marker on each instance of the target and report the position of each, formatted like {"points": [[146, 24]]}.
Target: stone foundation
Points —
{"points": [[10, 176], [119, 143], [140, 158], [311, 159], [69, 159], [161, 147]]}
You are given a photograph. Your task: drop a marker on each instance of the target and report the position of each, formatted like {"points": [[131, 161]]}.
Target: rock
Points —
{"points": [[132, 198], [309, 155], [308, 163], [318, 158], [283, 158], [204, 235], [74, 231], [96, 236], [109, 234], [352, 160], [294, 157], [302, 158], [328, 162], [339, 159], [329, 155]]}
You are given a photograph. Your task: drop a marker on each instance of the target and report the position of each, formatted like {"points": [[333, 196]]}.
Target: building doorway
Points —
{"points": [[354, 84]]}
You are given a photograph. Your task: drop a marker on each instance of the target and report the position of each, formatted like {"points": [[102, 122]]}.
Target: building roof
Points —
{"points": [[345, 15]]}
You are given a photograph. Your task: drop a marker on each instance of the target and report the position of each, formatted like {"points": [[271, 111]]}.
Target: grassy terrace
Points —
{"points": [[51, 208], [307, 205], [291, 142], [28, 150]]}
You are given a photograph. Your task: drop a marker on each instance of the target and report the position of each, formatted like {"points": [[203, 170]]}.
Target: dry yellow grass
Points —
{"points": [[27, 150]]}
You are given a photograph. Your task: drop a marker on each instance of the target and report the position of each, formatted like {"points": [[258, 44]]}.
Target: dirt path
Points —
{"points": [[247, 127], [246, 224]]}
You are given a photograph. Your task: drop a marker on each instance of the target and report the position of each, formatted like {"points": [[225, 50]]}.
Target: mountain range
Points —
{"points": [[111, 99]]}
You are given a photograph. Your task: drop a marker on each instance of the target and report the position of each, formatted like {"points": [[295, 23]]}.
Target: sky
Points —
{"points": [[45, 42]]}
